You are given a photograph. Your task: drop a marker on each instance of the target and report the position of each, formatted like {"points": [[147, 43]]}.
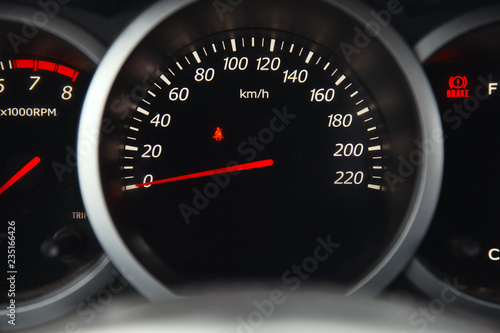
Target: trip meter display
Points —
{"points": [[252, 152]]}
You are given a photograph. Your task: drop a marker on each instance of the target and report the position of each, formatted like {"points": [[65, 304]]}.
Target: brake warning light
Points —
{"points": [[457, 87]]}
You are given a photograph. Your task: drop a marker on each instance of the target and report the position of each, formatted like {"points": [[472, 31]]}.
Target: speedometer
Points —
{"points": [[263, 136], [246, 149], [268, 84]]}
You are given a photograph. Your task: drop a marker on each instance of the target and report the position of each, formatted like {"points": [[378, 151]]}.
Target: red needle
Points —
{"points": [[234, 168], [31, 164]]}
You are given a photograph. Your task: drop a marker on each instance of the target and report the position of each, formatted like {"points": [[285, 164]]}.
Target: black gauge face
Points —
{"points": [[299, 129], [39, 108], [249, 148], [249, 152], [45, 235], [463, 241]]}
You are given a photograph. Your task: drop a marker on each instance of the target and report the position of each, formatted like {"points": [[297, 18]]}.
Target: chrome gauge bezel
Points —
{"points": [[428, 174], [66, 298], [417, 272]]}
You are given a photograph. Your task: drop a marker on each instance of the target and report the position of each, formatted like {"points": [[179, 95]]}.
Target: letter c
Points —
{"points": [[491, 254]]}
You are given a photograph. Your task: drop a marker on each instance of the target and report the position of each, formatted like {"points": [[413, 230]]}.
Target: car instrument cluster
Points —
{"points": [[179, 143]]}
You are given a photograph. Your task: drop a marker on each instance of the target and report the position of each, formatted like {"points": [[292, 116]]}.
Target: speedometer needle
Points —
{"points": [[25, 169], [234, 168]]}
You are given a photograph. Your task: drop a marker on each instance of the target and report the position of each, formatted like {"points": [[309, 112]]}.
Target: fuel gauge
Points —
{"points": [[461, 250]]}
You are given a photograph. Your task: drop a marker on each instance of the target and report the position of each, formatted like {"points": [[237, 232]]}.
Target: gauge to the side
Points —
{"points": [[252, 150], [459, 257], [50, 257]]}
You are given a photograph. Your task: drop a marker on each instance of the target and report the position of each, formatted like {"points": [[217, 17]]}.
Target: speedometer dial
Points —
{"points": [[266, 83], [251, 151], [263, 136]]}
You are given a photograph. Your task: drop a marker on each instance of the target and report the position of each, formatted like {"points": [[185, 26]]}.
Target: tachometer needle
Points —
{"points": [[25, 169], [234, 168]]}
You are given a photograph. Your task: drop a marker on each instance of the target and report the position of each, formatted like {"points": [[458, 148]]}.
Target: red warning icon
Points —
{"points": [[218, 134], [458, 82], [457, 87]]}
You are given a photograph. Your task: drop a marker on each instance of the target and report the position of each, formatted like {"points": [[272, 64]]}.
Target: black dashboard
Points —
{"points": [[249, 165]]}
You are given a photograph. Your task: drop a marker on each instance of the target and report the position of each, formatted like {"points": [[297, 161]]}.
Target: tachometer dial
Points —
{"points": [[51, 255], [250, 152], [39, 193]]}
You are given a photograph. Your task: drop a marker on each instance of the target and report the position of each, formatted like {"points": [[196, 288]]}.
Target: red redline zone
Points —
{"points": [[234, 168], [47, 66], [24, 170]]}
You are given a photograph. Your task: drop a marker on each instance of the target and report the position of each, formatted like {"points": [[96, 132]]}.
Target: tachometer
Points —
{"points": [[50, 257], [249, 149]]}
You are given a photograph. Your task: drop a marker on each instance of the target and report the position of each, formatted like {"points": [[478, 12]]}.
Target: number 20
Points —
{"points": [[152, 151]]}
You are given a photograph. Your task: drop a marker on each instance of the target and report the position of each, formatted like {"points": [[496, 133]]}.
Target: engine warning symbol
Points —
{"points": [[218, 134]]}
